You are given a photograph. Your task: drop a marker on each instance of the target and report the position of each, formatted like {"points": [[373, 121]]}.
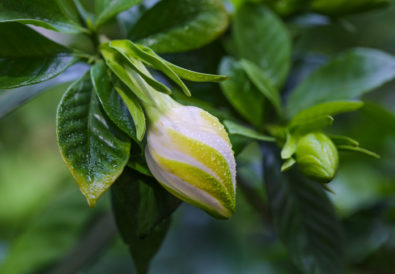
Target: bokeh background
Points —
{"points": [[47, 227]]}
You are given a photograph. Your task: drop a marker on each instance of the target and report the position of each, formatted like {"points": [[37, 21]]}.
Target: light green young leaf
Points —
{"points": [[262, 38], [362, 70], [240, 92], [237, 129], [134, 108], [110, 100], [42, 13], [106, 9], [258, 77], [94, 150], [28, 58], [358, 149], [329, 108], [343, 140], [120, 67], [288, 164], [148, 56], [123, 47], [289, 147], [180, 25]]}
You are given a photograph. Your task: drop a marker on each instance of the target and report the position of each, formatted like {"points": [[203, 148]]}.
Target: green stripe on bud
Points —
{"points": [[189, 153]]}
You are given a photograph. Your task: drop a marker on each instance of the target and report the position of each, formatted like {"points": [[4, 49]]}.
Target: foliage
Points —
{"points": [[285, 74]]}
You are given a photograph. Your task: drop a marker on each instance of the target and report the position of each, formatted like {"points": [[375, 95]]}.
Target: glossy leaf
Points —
{"points": [[134, 108], [29, 58], [362, 70], [106, 9], [180, 25], [305, 220], [260, 80], [241, 93], [42, 13], [112, 103], [123, 47], [142, 209], [261, 38], [237, 129], [94, 150], [120, 67], [324, 109]]}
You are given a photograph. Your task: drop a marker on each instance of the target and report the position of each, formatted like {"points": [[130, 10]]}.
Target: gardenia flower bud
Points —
{"points": [[188, 151], [317, 157]]}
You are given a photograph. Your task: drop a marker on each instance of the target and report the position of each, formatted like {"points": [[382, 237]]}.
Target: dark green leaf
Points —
{"points": [[345, 77], [258, 77], [112, 103], [28, 58], [180, 25], [94, 150], [237, 129], [120, 67], [261, 38], [106, 9], [305, 220], [42, 13], [324, 109], [241, 93], [142, 209]]}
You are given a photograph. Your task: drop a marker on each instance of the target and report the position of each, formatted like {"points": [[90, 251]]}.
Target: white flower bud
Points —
{"points": [[188, 151]]}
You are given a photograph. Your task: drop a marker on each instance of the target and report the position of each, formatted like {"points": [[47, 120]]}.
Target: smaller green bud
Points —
{"points": [[317, 157]]}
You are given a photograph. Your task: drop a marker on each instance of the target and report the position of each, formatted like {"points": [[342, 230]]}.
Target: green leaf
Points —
{"points": [[241, 93], [305, 221], [142, 209], [112, 103], [50, 234], [148, 56], [289, 147], [106, 9], [94, 150], [120, 67], [261, 38], [315, 124], [343, 140], [358, 149], [180, 25], [123, 47], [42, 13], [258, 77], [134, 108], [288, 164], [237, 129], [346, 77], [324, 109], [28, 58]]}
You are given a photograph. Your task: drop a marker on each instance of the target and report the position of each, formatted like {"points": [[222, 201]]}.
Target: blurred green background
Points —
{"points": [[46, 225]]}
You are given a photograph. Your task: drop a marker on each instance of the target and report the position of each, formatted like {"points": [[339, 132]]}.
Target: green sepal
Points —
{"points": [[237, 129], [358, 149]]}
